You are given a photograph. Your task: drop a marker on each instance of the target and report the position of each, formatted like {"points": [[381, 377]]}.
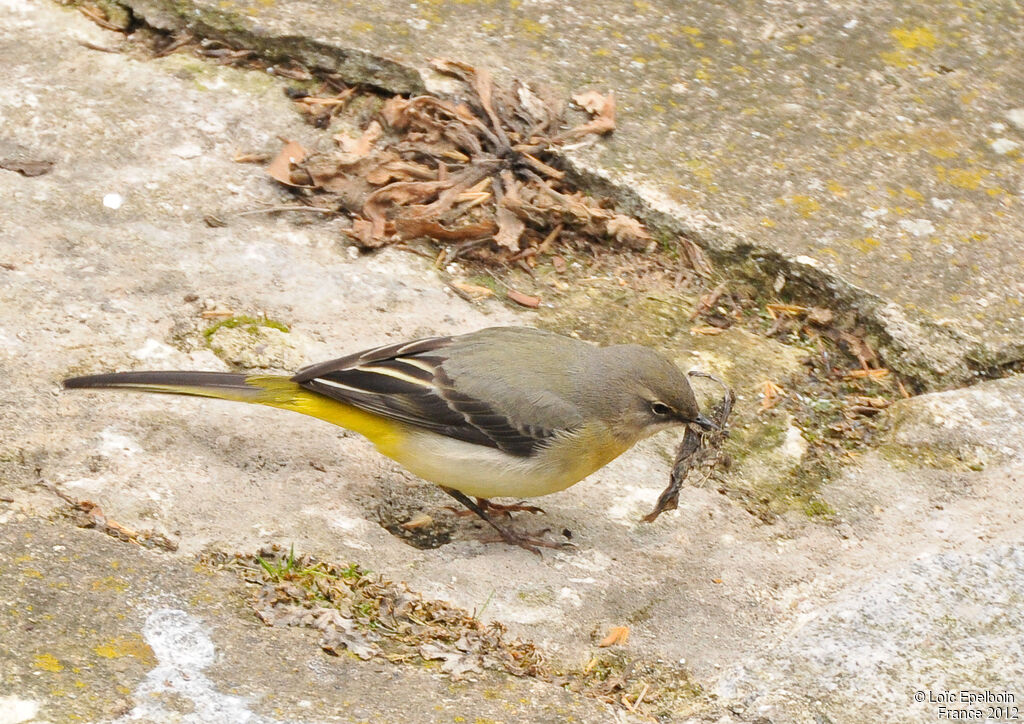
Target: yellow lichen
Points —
{"points": [[124, 646], [866, 245], [804, 205], [835, 188], [963, 178], [110, 583], [911, 38], [48, 662], [528, 25]]}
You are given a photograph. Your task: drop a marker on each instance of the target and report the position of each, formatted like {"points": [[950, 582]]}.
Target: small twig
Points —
{"points": [[273, 209], [417, 252], [100, 48], [539, 165], [643, 693], [99, 19], [180, 41]]}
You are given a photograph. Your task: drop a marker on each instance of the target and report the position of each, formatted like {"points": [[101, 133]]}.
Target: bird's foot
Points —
{"points": [[532, 543], [481, 508], [491, 507]]}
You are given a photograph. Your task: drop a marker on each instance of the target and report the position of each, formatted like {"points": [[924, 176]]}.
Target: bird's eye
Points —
{"points": [[661, 409]]}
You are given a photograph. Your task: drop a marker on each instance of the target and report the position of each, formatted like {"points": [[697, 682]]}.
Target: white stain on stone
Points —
{"points": [[183, 649], [14, 710], [116, 443], [153, 349], [1003, 146], [1016, 117], [917, 227], [794, 446]]}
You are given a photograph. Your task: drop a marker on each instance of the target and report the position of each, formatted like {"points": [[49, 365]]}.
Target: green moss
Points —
{"points": [[244, 321], [906, 458], [536, 598], [799, 489], [818, 508], [668, 243], [756, 438], [612, 315], [484, 280]]}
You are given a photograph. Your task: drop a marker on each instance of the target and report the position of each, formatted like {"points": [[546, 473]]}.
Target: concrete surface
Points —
{"points": [[872, 152], [96, 630], [911, 585]]}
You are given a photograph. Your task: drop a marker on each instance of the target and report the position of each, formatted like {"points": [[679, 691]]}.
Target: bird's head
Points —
{"points": [[644, 392]]}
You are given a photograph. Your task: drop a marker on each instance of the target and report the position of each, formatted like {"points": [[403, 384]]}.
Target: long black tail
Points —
{"points": [[220, 385]]}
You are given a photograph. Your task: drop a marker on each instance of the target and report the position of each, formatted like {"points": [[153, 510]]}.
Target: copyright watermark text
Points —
{"points": [[972, 705]]}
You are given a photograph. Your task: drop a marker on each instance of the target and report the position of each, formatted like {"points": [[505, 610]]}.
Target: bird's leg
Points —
{"points": [[510, 508], [488, 506], [530, 543]]}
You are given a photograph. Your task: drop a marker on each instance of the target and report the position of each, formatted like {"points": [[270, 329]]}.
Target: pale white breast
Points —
{"points": [[484, 472]]}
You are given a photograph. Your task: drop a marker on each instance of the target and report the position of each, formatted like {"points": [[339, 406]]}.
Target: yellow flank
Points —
{"points": [[386, 435], [473, 469]]}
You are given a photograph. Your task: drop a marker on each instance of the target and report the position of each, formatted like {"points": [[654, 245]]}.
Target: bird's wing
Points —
{"points": [[408, 382]]}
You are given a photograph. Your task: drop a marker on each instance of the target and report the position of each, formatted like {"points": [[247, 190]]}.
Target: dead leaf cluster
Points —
{"points": [[476, 173], [656, 691], [374, 618], [371, 616]]}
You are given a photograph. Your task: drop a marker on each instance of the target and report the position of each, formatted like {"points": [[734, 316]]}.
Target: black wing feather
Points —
{"points": [[407, 382]]}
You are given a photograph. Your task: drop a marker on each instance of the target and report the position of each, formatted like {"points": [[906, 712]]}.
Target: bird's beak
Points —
{"points": [[705, 423]]}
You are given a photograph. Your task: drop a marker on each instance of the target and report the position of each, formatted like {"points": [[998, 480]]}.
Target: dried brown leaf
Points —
{"points": [[874, 374], [616, 635], [395, 112], [336, 101], [543, 168], [604, 122], [533, 104], [591, 101], [524, 299], [510, 228], [280, 169], [362, 233], [473, 291], [251, 158], [359, 147], [26, 167], [820, 316], [705, 331], [399, 193], [218, 313], [418, 520], [627, 230], [346, 184], [399, 170], [412, 228], [455, 663], [696, 258], [771, 392], [455, 185], [791, 310]]}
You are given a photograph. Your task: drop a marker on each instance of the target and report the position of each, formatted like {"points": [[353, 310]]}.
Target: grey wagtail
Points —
{"points": [[504, 411]]}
